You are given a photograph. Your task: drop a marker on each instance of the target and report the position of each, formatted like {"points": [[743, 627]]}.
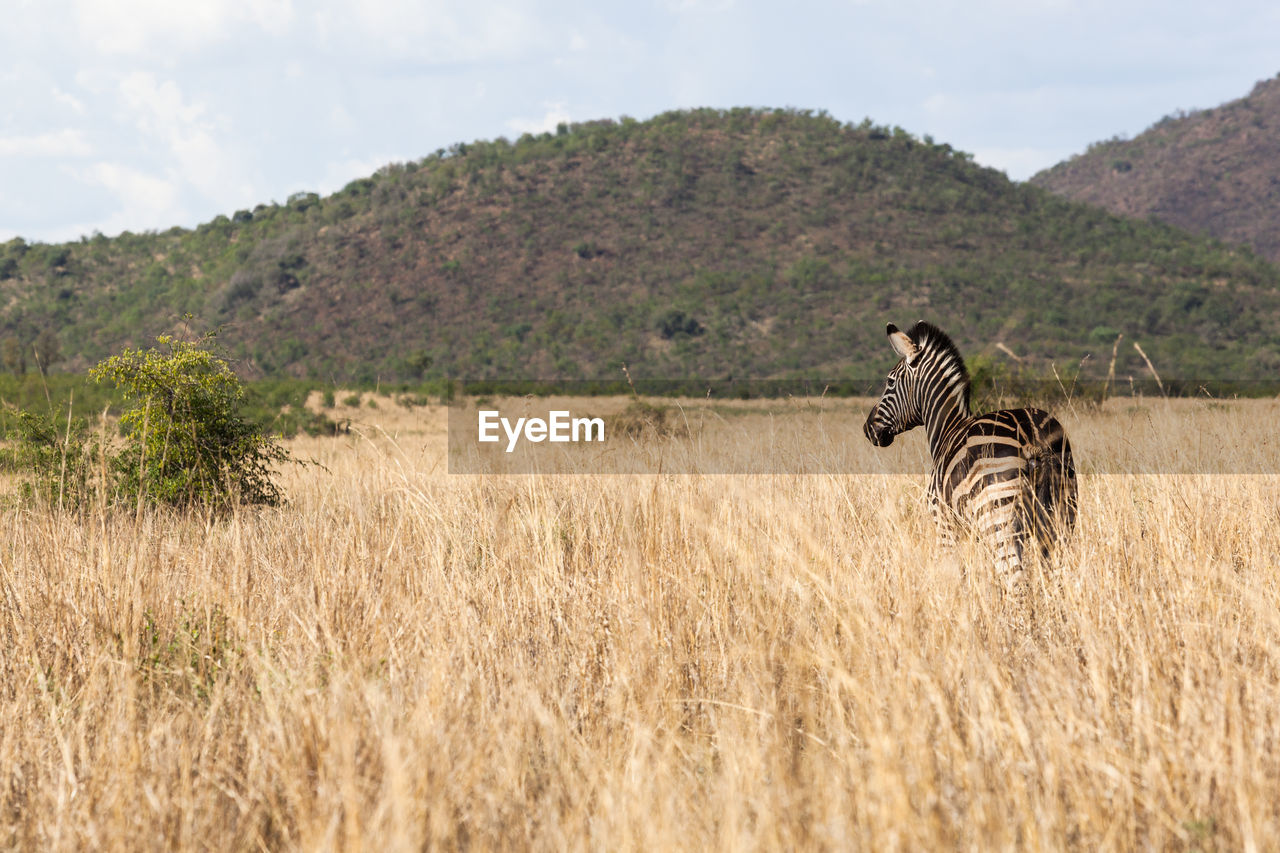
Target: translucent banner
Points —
{"points": [[749, 433]]}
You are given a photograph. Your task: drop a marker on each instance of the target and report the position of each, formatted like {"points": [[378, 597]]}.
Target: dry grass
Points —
{"points": [[404, 658]]}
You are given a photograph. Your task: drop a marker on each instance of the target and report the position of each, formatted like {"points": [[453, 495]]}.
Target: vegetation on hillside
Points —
{"points": [[742, 243], [1210, 171]]}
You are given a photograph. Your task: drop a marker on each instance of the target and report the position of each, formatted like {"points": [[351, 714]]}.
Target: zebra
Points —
{"points": [[1008, 476]]}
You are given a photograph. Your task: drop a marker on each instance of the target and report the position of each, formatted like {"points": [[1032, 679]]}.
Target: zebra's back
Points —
{"points": [[1009, 475]]}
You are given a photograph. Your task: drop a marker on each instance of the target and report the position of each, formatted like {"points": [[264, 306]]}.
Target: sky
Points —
{"points": [[141, 115]]}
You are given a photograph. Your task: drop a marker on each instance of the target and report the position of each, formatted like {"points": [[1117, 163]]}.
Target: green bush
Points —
{"points": [[677, 324], [59, 456], [185, 441]]}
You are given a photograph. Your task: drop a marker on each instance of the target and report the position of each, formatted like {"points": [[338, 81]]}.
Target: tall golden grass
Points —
{"points": [[402, 658]]}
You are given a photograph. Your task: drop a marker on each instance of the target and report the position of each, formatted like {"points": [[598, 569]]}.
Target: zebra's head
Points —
{"points": [[929, 368]]}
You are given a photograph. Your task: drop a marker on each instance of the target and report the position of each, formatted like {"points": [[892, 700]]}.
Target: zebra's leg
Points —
{"points": [[945, 522], [948, 536], [1009, 569], [1000, 526], [946, 569]]}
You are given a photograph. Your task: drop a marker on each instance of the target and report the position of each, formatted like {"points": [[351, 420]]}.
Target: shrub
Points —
{"points": [[59, 457], [186, 442], [674, 324], [641, 419]]}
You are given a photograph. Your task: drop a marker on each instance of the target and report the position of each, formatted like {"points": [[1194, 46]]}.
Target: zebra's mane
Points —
{"points": [[929, 337]]}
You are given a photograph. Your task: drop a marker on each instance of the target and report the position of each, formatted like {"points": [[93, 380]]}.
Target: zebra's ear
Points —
{"points": [[902, 343]]}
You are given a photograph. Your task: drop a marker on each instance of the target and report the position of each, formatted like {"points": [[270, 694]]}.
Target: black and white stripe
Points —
{"points": [[1007, 475]]}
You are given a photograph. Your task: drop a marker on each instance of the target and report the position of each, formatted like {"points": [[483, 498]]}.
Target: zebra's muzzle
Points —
{"points": [[878, 437]]}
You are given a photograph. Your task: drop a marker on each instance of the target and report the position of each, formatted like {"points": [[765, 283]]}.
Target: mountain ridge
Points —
{"points": [[1210, 171], [748, 242]]}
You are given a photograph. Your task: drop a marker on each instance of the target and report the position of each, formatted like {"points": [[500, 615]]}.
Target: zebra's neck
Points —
{"points": [[945, 414]]}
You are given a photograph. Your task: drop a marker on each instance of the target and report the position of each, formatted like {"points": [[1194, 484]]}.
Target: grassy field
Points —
{"points": [[403, 658]]}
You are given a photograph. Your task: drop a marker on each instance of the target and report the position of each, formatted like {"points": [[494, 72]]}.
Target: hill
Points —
{"points": [[1209, 171], [753, 243]]}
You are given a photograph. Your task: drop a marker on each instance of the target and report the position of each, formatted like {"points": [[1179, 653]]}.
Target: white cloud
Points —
{"points": [[1020, 163], [340, 173], [133, 185], [59, 234], [68, 100], [184, 128], [699, 6], [340, 119], [58, 143], [555, 115], [131, 26], [94, 81], [443, 31], [144, 201], [157, 106]]}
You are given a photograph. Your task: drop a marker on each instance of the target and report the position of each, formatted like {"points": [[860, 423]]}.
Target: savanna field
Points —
{"points": [[403, 658]]}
